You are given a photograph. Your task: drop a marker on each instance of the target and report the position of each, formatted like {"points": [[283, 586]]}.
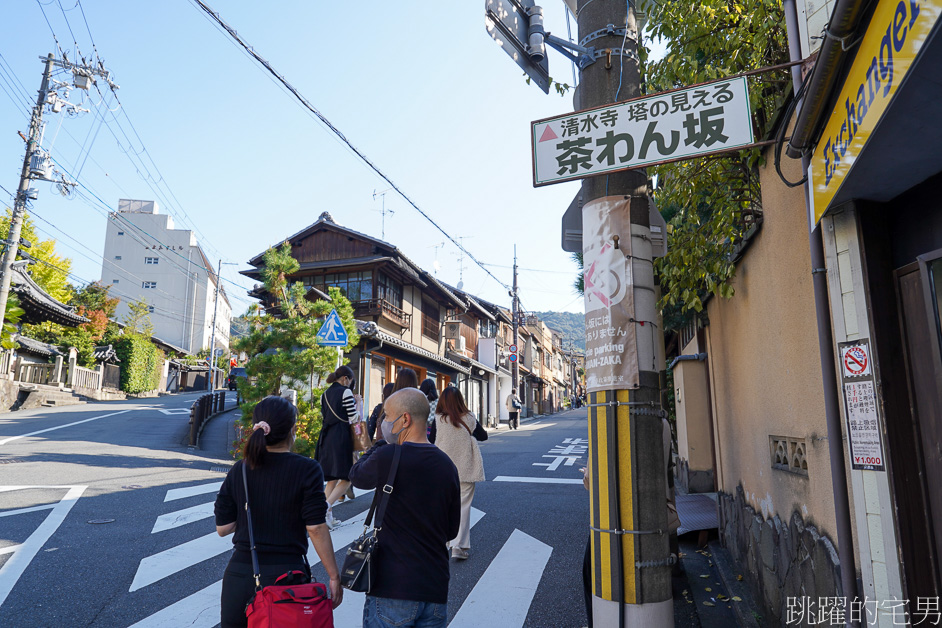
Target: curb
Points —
{"points": [[745, 611]]}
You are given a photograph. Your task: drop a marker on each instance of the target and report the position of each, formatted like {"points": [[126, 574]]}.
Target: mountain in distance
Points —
{"points": [[570, 324]]}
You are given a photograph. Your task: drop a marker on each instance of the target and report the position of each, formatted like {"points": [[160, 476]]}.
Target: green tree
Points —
{"points": [[51, 273], [137, 320], [714, 199], [282, 347], [10, 320]]}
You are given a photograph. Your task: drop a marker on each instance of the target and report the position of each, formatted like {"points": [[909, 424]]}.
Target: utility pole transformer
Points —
{"points": [[22, 193], [631, 559]]}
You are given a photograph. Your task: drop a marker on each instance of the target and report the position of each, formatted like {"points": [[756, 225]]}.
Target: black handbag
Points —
{"points": [[479, 432], [357, 571]]}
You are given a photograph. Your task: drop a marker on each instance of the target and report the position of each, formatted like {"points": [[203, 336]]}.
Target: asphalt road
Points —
{"points": [[105, 520]]}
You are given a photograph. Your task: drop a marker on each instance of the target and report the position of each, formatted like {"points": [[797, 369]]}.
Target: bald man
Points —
{"points": [[424, 511]]}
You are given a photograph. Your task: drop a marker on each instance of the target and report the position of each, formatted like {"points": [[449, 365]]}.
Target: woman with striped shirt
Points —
{"points": [[334, 450]]}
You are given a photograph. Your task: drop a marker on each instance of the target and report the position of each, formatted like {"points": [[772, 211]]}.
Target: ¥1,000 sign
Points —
{"points": [[669, 126]]}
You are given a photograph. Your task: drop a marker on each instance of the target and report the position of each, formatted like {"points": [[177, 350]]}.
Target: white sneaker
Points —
{"points": [[332, 522]]}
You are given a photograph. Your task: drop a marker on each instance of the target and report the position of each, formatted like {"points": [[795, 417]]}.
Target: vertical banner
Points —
{"points": [[611, 348]]}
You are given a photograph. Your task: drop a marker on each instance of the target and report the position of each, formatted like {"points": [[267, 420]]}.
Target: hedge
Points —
{"points": [[141, 363]]}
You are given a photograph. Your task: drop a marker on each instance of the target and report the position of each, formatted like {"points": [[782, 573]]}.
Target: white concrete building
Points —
{"points": [[147, 258]]}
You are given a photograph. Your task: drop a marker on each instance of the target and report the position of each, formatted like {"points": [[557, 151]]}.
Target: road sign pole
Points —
{"points": [[631, 560]]}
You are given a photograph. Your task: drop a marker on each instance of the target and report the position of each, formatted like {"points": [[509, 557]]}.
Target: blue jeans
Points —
{"points": [[384, 612]]}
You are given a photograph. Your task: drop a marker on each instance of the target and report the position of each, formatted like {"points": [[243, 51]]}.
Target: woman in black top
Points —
{"points": [[286, 495], [334, 449], [377, 415]]}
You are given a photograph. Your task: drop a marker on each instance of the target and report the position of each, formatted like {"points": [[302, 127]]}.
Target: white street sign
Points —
{"points": [[668, 126]]}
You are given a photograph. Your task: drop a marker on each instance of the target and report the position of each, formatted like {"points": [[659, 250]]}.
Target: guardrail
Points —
{"points": [[202, 409]]}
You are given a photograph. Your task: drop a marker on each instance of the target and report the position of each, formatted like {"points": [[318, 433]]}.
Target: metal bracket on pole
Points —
{"points": [[637, 408], [609, 30], [587, 56]]}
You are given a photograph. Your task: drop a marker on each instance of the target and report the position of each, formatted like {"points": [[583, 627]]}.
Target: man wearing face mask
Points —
{"points": [[423, 514]]}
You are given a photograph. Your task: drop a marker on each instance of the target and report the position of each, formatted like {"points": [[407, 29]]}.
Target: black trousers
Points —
{"points": [[514, 421], [238, 587]]}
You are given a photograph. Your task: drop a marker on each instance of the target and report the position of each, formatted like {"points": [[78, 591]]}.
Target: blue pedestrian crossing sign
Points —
{"points": [[332, 333]]}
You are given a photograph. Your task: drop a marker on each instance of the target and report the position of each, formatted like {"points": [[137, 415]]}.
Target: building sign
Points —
{"points": [[864, 433], [897, 32], [611, 359], [668, 126]]}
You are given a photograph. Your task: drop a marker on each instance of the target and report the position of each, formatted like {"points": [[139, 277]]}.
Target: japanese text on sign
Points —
{"points": [[670, 126], [863, 425]]}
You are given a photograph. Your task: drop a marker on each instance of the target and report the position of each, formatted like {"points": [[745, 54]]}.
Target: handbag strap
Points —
{"points": [[248, 516], [380, 500]]}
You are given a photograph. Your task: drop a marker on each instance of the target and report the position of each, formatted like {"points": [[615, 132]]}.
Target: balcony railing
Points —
{"points": [[382, 307]]}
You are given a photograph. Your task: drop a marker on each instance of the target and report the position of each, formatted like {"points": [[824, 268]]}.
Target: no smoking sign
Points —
{"points": [[855, 360]]}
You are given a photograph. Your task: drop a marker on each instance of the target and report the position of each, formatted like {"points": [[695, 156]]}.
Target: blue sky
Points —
{"points": [[427, 95]]}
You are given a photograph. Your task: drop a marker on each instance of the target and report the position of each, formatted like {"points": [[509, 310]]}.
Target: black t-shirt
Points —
{"points": [[422, 515], [286, 494]]}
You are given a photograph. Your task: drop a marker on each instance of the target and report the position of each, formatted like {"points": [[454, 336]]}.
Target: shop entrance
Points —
{"points": [[919, 299]]}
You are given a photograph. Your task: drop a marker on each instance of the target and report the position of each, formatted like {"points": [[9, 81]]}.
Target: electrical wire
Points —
{"points": [[621, 64], [300, 98]]}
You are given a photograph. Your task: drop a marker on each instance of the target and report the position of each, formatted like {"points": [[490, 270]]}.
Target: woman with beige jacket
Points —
{"points": [[455, 425]]}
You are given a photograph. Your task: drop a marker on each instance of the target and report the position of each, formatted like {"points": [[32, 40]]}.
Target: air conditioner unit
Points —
{"points": [[452, 329]]}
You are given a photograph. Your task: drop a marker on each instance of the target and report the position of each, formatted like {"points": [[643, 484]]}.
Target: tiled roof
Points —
{"points": [[371, 330], [30, 345], [38, 304]]}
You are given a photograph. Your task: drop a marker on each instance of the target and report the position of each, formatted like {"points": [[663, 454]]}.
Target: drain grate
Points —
{"points": [[220, 469]]}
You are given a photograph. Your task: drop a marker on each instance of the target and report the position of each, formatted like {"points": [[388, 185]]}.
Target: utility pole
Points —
{"points": [[36, 165], [631, 560], [212, 338], [515, 366], [22, 193]]}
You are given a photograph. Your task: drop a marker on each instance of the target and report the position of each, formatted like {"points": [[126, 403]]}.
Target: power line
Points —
{"points": [[261, 60]]}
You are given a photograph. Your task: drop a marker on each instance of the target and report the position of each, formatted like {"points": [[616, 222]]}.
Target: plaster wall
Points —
{"points": [[765, 369], [691, 402]]}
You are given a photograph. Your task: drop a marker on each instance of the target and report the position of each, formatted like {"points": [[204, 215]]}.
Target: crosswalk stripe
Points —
{"points": [[503, 595], [20, 511], [11, 570], [200, 610], [168, 562], [179, 518], [350, 613], [190, 491], [9, 549]]}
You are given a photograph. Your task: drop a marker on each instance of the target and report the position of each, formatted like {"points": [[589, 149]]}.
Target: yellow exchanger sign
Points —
{"points": [[896, 33]]}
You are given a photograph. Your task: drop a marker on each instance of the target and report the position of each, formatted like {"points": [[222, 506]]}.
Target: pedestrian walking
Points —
{"points": [[377, 413], [406, 378], [514, 405], [288, 507], [410, 561], [334, 449], [454, 437], [431, 393]]}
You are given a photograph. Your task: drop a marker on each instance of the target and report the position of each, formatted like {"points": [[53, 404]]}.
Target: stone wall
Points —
{"points": [[778, 560]]}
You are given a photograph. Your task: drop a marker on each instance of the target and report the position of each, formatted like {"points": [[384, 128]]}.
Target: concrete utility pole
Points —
{"points": [[212, 338], [19, 203], [515, 365], [631, 560]]}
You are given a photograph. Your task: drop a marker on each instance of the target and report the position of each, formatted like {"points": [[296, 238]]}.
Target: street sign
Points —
{"points": [[219, 352], [513, 357], [856, 360], [669, 126], [513, 348], [332, 332], [508, 22]]}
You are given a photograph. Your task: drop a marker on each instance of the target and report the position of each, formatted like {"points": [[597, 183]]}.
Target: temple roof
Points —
{"points": [[39, 306]]}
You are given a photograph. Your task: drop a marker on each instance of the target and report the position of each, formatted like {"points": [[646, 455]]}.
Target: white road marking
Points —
{"points": [[526, 480], [182, 517], [62, 427], [20, 511], [190, 491], [11, 570], [177, 411], [200, 610], [168, 562], [9, 549], [503, 595], [350, 613]]}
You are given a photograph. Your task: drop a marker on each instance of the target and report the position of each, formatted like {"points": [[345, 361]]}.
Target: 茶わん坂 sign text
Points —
{"points": [[669, 126]]}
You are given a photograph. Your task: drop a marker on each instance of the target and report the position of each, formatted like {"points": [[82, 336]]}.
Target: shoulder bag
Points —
{"points": [[293, 600], [479, 433], [357, 571], [358, 431]]}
